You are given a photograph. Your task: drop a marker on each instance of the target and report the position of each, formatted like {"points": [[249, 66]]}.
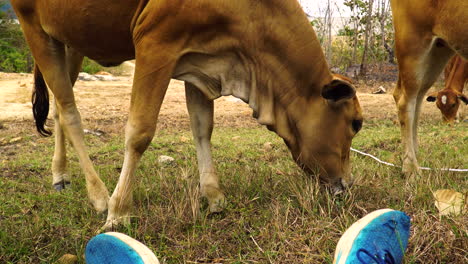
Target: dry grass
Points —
{"points": [[275, 213]]}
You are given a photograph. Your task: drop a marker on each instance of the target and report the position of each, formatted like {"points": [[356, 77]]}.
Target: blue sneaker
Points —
{"points": [[117, 248], [380, 237]]}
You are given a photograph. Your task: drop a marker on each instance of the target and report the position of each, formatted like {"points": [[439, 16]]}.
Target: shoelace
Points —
{"points": [[379, 258]]}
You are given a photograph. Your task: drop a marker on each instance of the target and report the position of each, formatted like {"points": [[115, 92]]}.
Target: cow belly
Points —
{"points": [[97, 29], [452, 25]]}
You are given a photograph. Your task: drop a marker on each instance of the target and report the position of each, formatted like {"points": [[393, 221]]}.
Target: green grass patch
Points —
{"points": [[275, 213]]}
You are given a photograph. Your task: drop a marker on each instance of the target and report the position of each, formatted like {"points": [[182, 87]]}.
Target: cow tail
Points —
{"points": [[40, 102]]}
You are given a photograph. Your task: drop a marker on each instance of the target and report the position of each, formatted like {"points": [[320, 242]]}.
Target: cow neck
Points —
{"points": [[276, 64], [456, 78]]}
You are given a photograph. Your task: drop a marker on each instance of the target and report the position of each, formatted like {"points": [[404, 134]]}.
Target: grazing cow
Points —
{"points": [[448, 99], [263, 52], [427, 34]]}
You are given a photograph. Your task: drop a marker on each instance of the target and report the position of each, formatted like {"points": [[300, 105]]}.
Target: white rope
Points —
{"points": [[393, 165]]}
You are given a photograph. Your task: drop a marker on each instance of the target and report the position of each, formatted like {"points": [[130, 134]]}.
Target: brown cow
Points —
{"points": [[264, 52], [427, 34], [448, 99]]}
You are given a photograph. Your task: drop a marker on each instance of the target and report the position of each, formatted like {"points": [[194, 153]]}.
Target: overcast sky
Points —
{"points": [[316, 7]]}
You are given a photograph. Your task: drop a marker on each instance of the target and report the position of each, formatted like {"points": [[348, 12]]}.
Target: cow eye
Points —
{"points": [[357, 125]]}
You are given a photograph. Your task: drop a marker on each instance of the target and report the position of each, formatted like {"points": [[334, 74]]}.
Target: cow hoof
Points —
{"points": [[98, 196], [60, 186], [411, 171], [100, 205], [216, 199], [218, 205], [109, 226], [113, 223]]}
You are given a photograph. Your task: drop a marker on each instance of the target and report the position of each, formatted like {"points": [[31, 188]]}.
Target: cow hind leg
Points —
{"points": [[418, 72], [50, 56], [60, 178], [200, 110]]}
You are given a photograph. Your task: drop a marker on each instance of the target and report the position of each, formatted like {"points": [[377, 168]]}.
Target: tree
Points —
{"points": [[386, 28]]}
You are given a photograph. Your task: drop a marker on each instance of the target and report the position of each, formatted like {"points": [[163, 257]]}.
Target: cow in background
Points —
{"points": [[448, 100], [427, 34]]}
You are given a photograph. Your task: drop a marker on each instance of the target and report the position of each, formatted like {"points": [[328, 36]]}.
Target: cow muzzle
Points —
{"points": [[341, 185]]}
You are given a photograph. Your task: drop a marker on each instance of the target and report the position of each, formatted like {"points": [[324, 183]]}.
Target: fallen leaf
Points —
{"points": [[67, 259], [449, 202], [184, 139], [14, 140]]}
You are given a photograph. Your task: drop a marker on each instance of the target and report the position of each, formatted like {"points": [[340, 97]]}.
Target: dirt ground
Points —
{"points": [[104, 104]]}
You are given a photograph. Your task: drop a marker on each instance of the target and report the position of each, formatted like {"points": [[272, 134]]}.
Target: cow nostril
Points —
{"points": [[337, 189]]}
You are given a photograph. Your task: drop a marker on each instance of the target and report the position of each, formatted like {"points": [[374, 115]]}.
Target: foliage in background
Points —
{"points": [[90, 66], [365, 38], [14, 52], [15, 55]]}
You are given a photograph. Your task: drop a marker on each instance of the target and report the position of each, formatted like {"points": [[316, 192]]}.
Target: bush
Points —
{"points": [[14, 52], [91, 67]]}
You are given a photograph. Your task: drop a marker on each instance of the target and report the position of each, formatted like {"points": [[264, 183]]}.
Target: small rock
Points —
{"points": [[96, 132], [380, 90], [267, 146], [163, 159], [14, 140], [105, 78], [67, 259], [83, 76]]}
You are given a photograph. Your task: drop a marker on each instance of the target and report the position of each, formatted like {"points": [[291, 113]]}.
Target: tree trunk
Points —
{"points": [[368, 32]]}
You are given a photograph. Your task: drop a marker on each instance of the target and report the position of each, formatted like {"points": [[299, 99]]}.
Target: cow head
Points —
{"points": [[322, 128], [448, 101]]}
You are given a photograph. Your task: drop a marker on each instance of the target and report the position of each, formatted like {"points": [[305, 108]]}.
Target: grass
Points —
{"points": [[275, 213]]}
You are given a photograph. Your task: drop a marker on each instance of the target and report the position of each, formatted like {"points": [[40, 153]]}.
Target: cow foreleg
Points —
{"points": [[200, 110], [406, 105], [418, 70], [60, 178], [150, 83]]}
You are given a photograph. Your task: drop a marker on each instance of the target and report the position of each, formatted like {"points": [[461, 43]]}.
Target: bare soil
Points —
{"points": [[104, 104]]}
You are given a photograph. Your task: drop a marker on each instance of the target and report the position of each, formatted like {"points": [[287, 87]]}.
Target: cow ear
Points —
{"points": [[432, 97], [338, 90], [463, 98]]}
